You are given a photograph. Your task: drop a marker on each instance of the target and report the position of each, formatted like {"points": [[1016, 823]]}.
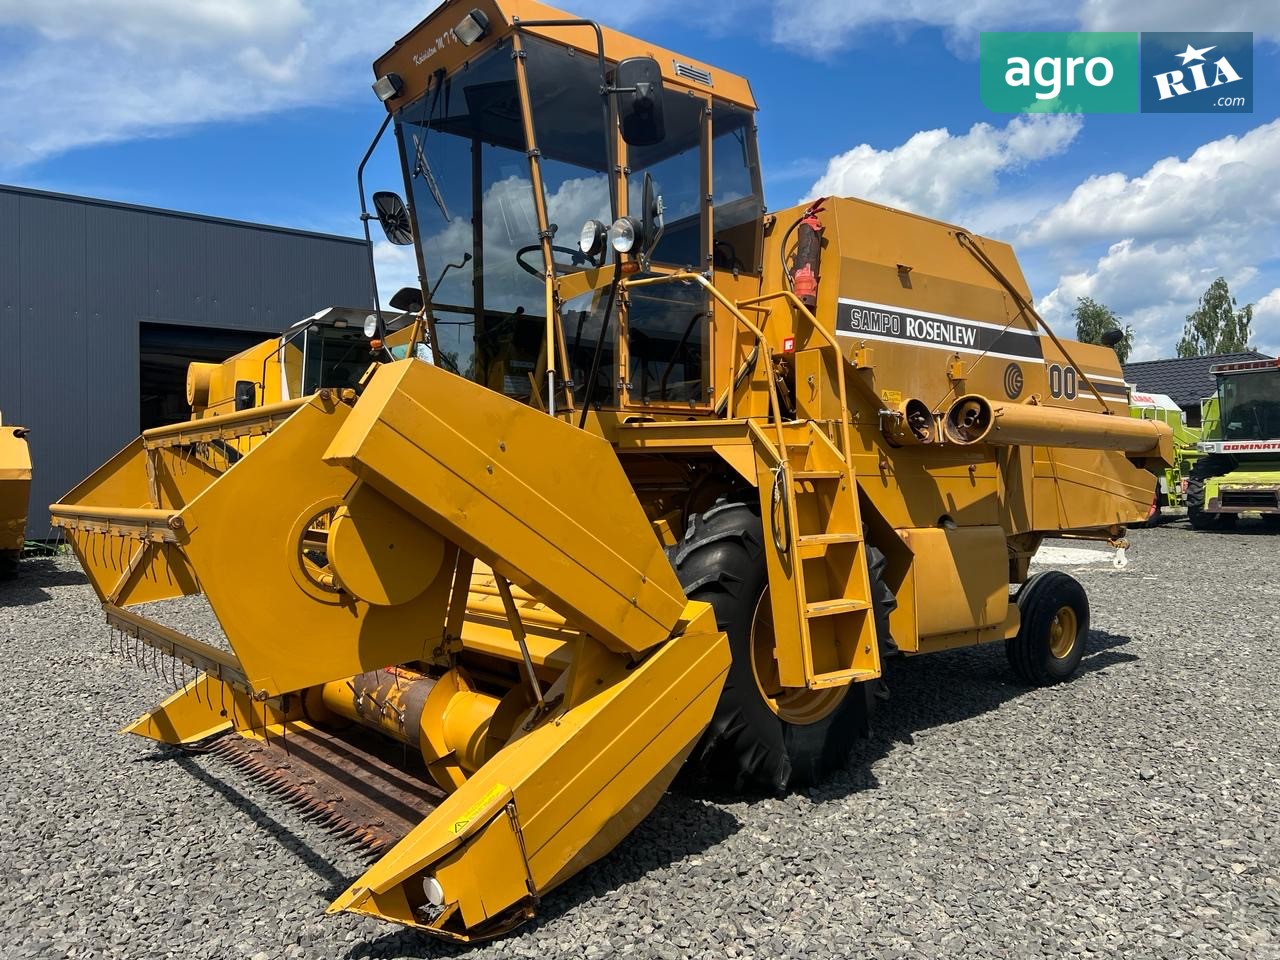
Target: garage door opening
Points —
{"points": [[165, 350]]}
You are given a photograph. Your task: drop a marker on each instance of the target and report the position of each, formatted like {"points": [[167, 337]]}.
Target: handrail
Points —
{"points": [[798, 304], [775, 404]]}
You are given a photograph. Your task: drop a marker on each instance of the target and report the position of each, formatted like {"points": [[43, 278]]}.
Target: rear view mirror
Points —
{"points": [[1112, 337], [638, 84], [394, 218], [407, 300], [652, 219]]}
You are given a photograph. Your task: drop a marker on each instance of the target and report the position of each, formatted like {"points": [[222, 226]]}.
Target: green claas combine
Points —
{"points": [[1239, 470], [1171, 482]]}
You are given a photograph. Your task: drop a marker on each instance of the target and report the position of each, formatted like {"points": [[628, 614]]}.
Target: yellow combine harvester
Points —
{"points": [[672, 487], [15, 488]]}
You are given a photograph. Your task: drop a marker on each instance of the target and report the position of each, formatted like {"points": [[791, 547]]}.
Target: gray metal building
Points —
{"points": [[103, 304]]}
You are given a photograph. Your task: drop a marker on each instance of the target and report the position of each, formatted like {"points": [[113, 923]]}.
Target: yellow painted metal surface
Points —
{"points": [[511, 569], [302, 544], [513, 487], [558, 797], [15, 486], [960, 578], [430, 46]]}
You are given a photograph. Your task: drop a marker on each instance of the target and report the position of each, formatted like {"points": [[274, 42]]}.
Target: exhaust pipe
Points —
{"points": [[973, 419]]}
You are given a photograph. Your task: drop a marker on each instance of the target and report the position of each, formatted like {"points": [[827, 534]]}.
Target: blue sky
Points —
{"points": [[260, 111]]}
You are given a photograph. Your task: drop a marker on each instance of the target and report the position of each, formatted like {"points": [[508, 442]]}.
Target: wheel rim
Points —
{"points": [[794, 706], [1062, 632]]}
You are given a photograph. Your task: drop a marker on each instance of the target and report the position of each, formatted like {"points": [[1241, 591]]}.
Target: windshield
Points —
{"points": [[573, 146], [1250, 405], [464, 147], [333, 357]]}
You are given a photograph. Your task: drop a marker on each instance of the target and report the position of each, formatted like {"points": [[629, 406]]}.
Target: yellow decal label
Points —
{"points": [[891, 396], [477, 808]]}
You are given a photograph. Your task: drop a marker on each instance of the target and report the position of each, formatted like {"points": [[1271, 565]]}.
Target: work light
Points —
{"points": [[592, 237], [370, 326], [471, 28], [623, 234], [388, 87]]}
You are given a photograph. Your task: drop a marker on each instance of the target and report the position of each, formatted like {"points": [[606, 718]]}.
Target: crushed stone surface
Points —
{"points": [[1133, 812]]}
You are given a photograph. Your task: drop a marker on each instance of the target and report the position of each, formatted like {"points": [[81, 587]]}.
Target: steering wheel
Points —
{"points": [[576, 257]]}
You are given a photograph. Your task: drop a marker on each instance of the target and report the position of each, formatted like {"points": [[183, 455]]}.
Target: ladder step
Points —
{"points": [[840, 678], [818, 474], [812, 539], [829, 608], [815, 545]]}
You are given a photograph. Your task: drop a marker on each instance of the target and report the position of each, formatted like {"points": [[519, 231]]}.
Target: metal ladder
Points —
{"points": [[812, 509]]}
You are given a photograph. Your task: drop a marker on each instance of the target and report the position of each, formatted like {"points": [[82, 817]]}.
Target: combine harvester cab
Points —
{"points": [[1238, 470], [15, 490], [338, 553]]}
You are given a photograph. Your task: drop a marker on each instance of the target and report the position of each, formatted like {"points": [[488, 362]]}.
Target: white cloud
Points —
{"points": [[1232, 183], [1170, 232], [1261, 17], [1153, 286], [939, 174], [396, 267], [135, 24], [136, 68], [1266, 323], [824, 26]]}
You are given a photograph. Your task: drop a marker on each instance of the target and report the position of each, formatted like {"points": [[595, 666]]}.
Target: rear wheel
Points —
{"points": [[762, 732], [9, 563], [1204, 469], [1055, 624]]}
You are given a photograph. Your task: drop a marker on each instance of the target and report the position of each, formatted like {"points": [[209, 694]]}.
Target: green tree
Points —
{"points": [[1093, 319], [1216, 326]]}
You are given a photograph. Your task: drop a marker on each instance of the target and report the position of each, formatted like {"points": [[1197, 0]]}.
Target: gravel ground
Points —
{"points": [[1132, 812]]}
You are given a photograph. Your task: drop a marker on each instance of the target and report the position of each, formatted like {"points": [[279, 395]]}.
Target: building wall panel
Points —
{"points": [[78, 276]]}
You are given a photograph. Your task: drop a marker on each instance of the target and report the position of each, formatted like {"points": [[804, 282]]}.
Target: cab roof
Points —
{"points": [[431, 46]]}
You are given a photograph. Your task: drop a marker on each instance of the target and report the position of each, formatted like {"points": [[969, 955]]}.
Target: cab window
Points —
{"points": [[738, 205]]}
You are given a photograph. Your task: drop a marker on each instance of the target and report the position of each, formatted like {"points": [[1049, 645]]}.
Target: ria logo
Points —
{"points": [[1197, 72], [1173, 84]]}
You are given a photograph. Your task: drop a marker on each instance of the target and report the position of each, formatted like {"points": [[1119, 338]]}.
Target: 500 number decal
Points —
{"points": [[1064, 382]]}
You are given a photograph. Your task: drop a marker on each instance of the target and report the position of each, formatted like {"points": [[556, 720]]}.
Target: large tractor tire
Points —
{"points": [[762, 734], [1055, 626], [1204, 469], [9, 563]]}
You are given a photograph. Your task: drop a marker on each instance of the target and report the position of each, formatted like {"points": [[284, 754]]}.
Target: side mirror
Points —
{"points": [[652, 221], [1112, 337], [638, 84], [407, 300], [394, 218]]}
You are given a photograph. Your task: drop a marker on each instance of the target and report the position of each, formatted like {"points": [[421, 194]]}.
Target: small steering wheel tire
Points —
{"points": [[1055, 626]]}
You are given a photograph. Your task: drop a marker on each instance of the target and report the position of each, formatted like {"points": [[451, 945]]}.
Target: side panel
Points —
{"points": [[959, 579]]}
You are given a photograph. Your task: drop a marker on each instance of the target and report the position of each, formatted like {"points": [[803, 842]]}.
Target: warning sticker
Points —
{"points": [[478, 808]]}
